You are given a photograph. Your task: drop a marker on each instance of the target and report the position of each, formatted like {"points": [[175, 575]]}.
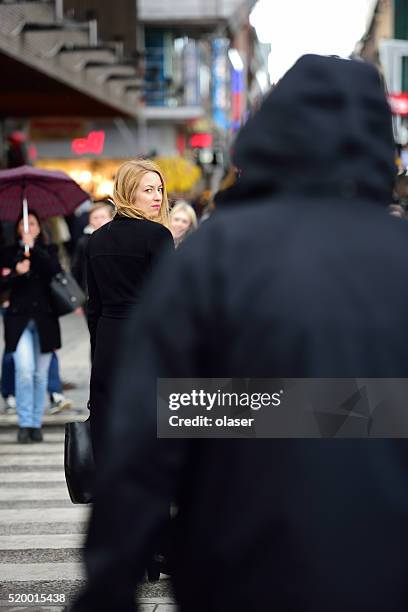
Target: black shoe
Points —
{"points": [[157, 566], [153, 571], [23, 435], [36, 434]]}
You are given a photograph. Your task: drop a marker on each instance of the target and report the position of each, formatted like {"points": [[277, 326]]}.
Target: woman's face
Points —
{"points": [[180, 223], [99, 217], [33, 227], [149, 194]]}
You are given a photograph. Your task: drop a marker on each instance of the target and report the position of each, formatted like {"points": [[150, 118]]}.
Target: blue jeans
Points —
{"points": [[54, 380], [7, 375], [31, 368]]}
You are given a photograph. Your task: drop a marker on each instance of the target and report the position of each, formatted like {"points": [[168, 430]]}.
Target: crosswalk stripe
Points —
{"points": [[34, 493], [11, 437], [30, 449], [57, 541], [17, 477], [52, 459], [29, 572], [44, 515], [48, 419], [32, 537]]}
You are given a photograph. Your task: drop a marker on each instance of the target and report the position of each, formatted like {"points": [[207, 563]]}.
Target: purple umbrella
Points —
{"points": [[48, 192]]}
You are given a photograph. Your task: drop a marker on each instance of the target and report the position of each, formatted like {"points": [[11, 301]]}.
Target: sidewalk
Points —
{"points": [[74, 359]]}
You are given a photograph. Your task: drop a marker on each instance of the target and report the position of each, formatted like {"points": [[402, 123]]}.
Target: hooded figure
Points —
{"points": [[304, 277]]}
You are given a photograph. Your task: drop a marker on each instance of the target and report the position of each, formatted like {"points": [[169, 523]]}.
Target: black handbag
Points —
{"points": [[66, 294], [79, 461]]}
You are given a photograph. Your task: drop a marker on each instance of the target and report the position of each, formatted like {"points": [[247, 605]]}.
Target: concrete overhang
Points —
{"points": [[31, 85], [171, 113]]}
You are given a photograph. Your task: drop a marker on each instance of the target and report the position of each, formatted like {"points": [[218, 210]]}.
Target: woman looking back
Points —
{"points": [[121, 255]]}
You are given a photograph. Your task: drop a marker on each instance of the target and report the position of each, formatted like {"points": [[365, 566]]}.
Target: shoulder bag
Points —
{"points": [[66, 294], [79, 461]]}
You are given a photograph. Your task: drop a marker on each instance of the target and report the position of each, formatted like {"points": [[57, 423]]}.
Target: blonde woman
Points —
{"points": [[120, 257], [183, 221]]}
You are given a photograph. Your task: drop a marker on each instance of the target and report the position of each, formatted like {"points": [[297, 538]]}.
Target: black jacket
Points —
{"points": [[30, 296], [79, 263], [120, 257], [306, 279]]}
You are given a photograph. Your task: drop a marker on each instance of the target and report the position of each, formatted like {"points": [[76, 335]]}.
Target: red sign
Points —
{"points": [[399, 103], [201, 141], [93, 143]]}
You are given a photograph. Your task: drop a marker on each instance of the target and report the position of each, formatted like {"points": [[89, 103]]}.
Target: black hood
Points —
{"points": [[325, 129]]}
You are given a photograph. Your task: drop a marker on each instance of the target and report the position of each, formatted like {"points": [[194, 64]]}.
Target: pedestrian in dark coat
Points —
{"points": [[99, 214], [31, 326], [306, 279], [121, 256]]}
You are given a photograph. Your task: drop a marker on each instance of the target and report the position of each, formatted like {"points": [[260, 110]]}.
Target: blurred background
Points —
{"points": [[87, 83]]}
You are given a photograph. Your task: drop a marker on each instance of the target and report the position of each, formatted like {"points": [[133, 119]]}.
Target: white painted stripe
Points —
{"points": [[30, 572], [34, 493], [44, 515], [50, 608], [52, 476], [31, 449], [49, 419], [155, 600], [53, 459], [57, 541], [10, 437]]}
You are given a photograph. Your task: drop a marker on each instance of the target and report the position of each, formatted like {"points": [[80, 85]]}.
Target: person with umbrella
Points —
{"points": [[31, 327]]}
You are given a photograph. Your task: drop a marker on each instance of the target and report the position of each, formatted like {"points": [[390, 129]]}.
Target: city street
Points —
{"points": [[41, 531], [222, 187]]}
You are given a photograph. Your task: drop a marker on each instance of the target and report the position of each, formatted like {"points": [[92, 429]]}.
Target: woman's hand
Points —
{"points": [[22, 267], [28, 239]]}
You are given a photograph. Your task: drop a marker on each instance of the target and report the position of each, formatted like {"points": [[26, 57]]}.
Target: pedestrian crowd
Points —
{"points": [[299, 273], [28, 261]]}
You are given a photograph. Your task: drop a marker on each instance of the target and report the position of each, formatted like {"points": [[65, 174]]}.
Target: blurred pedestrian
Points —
{"points": [[396, 210], [17, 151], [121, 255], [100, 213], [31, 328], [58, 401], [183, 221], [305, 277]]}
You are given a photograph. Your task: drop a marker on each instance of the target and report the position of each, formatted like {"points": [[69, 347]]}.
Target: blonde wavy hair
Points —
{"points": [[127, 181], [189, 210]]}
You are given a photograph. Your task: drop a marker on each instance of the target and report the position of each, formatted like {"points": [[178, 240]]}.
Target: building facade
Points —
{"points": [[153, 78]]}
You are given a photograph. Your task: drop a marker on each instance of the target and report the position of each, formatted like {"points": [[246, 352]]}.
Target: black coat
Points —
{"points": [[79, 262], [120, 256], [30, 296], [308, 279]]}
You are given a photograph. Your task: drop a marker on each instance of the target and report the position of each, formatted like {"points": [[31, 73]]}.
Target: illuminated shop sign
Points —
{"points": [[220, 83], [201, 141], [399, 103], [93, 143], [237, 81]]}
